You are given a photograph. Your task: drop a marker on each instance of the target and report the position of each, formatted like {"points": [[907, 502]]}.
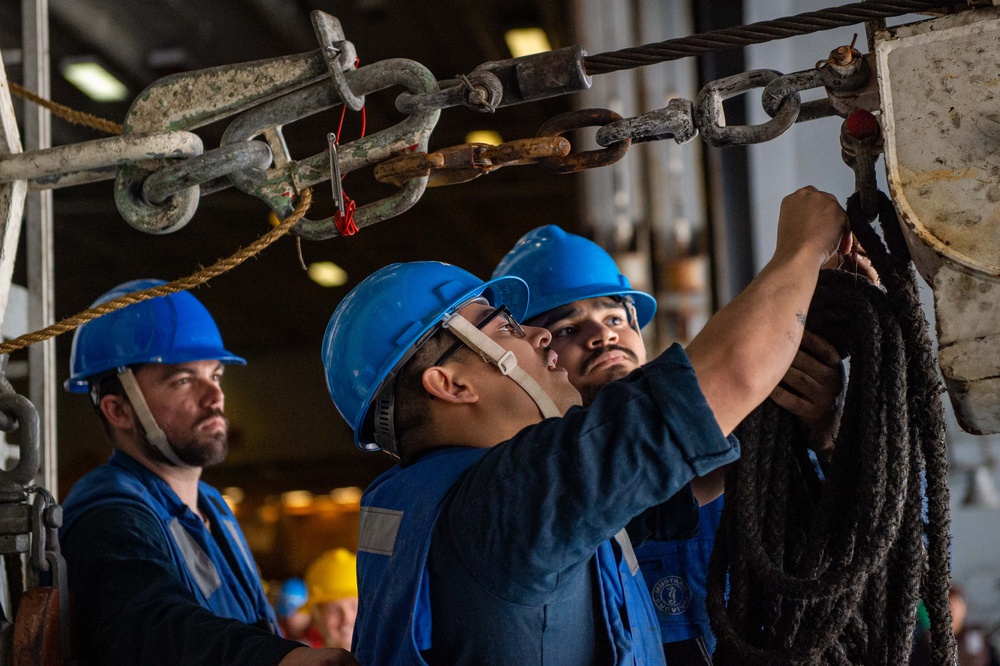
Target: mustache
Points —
{"points": [[595, 357], [212, 413]]}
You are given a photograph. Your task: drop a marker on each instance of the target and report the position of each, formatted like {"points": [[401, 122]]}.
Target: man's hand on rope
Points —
{"points": [[813, 389], [812, 221], [855, 261]]}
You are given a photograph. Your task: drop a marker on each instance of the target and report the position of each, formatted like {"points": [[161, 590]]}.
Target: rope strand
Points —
{"points": [[66, 113], [201, 277]]}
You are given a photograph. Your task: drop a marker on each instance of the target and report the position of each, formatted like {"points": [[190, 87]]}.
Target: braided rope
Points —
{"points": [[66, 113], [201, 277], [755, 33], [832, 573]]}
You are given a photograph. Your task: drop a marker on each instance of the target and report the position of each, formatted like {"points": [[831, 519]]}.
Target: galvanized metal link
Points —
{"points": [[711, 117], [587, 159], [194, 99], [21, 412], [248, 156], [288, 176]]}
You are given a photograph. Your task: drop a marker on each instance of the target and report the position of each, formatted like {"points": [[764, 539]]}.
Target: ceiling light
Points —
{"points": [[484, 136], [94, 81], [526, 41], [296, 499], [327, 274], [348, 495]]}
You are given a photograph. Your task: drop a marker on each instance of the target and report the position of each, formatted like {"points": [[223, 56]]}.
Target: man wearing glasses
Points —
{"points": [[578, 294], [499, 537]]}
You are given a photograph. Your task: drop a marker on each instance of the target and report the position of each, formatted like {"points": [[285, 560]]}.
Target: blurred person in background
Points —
{"points": [[332, 587], [293, 620]]}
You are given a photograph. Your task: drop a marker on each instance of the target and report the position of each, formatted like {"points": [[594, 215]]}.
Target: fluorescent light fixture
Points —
{"points": [[484, 136], [526, 41], [327, 274], [94, 81]]}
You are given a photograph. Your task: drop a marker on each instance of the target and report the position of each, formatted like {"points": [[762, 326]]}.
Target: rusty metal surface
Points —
{"points": [[587, 159], [464, 162], [36, 629]]}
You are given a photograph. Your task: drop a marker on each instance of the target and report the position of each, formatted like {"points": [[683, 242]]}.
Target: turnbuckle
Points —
{"points": [[467, 161]]}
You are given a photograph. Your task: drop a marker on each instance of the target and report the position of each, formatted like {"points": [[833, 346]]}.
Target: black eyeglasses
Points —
{"points": [[501, 311]]}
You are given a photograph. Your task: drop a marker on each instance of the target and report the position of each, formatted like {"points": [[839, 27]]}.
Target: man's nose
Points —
{"points": [[539, 337], [602, 336], [212, 395]]}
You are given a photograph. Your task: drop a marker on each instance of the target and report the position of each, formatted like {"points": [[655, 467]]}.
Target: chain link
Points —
{"points": [[467, 161]]}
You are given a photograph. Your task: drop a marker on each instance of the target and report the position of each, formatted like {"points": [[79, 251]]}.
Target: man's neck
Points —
{"points": [[183, 481]]}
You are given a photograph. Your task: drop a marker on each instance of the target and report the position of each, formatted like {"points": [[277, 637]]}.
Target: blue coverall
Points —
{"points": [[502, 564], [150, 584]]}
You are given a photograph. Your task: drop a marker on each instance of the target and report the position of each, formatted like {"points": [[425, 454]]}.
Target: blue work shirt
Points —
{"points": [[505, 569], [151, 584]]}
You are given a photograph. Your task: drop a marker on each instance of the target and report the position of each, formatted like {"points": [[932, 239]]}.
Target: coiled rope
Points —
{"points": [[756, 33], [832, 573], [201, 277]]}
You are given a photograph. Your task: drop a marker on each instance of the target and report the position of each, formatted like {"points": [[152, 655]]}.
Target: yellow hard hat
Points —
{"points": [[331, 577]]}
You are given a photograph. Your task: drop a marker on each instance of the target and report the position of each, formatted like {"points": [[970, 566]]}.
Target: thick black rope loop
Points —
{"points": [[831, 573]]}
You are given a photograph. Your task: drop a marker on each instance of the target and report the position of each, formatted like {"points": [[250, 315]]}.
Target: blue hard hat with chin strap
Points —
{"points": [[385, 319], [175, 328], [561, 268]]}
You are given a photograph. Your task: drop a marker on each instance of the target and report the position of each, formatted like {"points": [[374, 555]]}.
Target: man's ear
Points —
{"points": [[445, 383], [117, 411]]}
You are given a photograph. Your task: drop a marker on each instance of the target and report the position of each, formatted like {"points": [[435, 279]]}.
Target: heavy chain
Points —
{"points": [[161, 168]]}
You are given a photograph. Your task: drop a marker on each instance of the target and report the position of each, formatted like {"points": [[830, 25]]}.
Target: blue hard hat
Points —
{"points": [[377, 327], [561, 268], [292, 597], [167, 329]]}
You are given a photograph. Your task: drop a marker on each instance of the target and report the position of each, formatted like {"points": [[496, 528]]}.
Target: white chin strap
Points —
{"points": [[154, 435], [503, 359]]}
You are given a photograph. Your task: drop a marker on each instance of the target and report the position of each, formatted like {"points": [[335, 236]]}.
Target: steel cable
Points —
{"points": [[756, 33], [832, 573]]}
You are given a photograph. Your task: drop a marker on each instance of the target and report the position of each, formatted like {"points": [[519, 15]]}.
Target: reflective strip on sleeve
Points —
{"points": [[626, 545], [378, 528], [198, 562]]}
